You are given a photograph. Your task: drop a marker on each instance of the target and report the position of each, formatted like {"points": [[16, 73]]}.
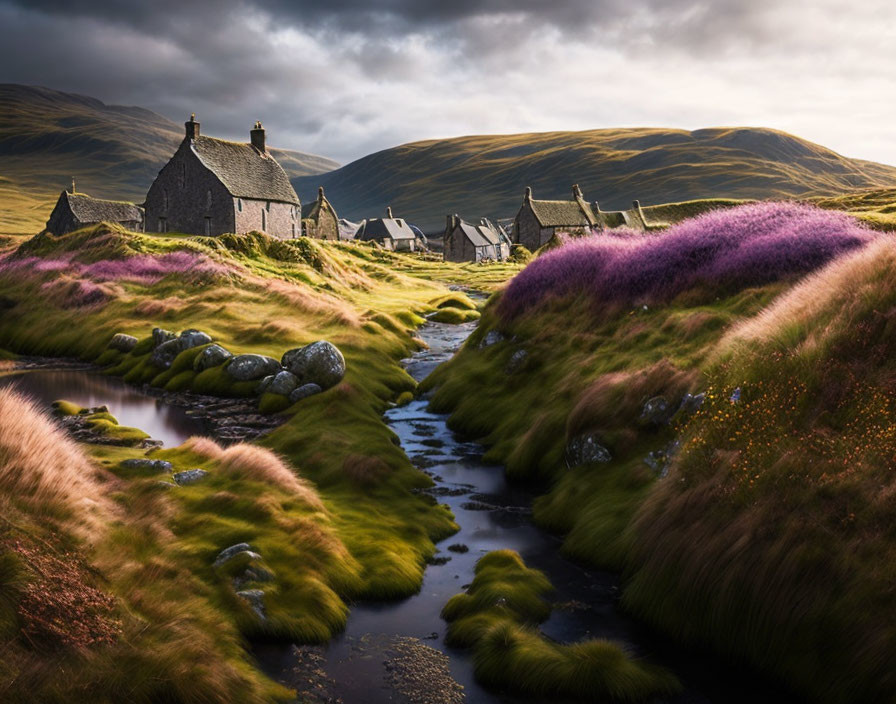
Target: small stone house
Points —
{"points": [[539, 220], [465, 242], [76, 210], [390, 232], [212, 186], [319, 219]]}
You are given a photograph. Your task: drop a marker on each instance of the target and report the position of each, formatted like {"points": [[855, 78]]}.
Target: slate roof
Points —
{"points": [[244, 170], [483, 235], [381, 228], [91, 210], [311, 211]]}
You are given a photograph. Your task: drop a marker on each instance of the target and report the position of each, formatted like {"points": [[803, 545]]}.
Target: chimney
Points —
{"points": [[576, 191], [595, 206], [389, 211], [636, 204], [528, 195], [257, 137], [320, 193], [192, 127], [452, 222]]}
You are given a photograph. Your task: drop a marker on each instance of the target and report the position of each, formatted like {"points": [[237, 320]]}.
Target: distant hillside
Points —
{"points": [[46, 137], [485, 175]]}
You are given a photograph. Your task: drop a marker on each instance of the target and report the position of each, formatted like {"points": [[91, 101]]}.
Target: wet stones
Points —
{"points": [[160, 336], [304, 391], [211, 356], [147, 465], [122, 342], [656, 412], [249, 367], [190, 476], [165, 353], [492, 337], [255, 599], [586, 449], [319, 363], [228, 554], [283, 383]]}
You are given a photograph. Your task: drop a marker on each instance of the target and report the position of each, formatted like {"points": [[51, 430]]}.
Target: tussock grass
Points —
{"points": [[259, 463], [42, 469], [497, 616]]}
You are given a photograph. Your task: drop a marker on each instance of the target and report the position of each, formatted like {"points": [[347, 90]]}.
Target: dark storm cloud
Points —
{"points": [[345, 77]]}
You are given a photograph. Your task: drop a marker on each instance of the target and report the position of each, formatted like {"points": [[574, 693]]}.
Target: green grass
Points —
{"points": [[498, 616]]}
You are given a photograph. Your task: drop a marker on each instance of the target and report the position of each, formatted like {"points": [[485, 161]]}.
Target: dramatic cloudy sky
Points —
{"points": [[345, 77]]}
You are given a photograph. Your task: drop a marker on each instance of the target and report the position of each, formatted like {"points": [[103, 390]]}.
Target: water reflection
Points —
{"points": [[162, 421]]}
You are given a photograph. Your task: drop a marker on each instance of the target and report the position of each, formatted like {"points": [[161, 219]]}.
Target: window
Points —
{"points": [[208, 227], [239, 204], [163, 225], [264, 221], [267, 206], [293, 230]]}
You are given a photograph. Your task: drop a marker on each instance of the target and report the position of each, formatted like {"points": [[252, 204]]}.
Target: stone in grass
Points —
{"points": [[516, 361], [190, 476], [147, 465], [193, 338], [160, 335], [255, 599], [492, 337], [458, 548], [304, 391], [585, 449], [163, 355], [283, 383], [264, 384], [228, 554], [657, 411], [319, 363], [122, 342], [211, 356], [249, 367]]}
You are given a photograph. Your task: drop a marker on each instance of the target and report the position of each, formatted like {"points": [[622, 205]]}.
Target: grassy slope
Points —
{"points": [[768, 540], [485, 175], [373, 535], [47, 137]]}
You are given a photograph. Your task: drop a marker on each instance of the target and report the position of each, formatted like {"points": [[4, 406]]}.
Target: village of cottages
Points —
{"points": [[212, 186]]}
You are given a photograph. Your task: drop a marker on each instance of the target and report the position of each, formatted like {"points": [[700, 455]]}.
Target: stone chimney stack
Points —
{"points": [[389, 211], [576, 191], [528, 196], [320, 193], [192, 127], [452, 219], [257, 137]]}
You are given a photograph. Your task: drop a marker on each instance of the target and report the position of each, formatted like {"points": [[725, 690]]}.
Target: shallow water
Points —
{"points": [[492, 515], [162, 421]]}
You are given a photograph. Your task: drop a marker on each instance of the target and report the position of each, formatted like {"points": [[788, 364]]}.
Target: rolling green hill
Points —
{"points": [[485, 175], [46, 137]]}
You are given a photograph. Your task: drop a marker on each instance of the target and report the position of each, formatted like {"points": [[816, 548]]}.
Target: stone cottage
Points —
{"points": [[538, 220], [212, 186], [465, 242], [319, 219], [392, 233], [75, 210]]}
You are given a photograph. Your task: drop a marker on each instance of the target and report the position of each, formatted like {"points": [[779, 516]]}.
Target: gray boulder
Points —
{"points": [[492, 337], [690, 404], [191, 476], [193, 338], [319, 363], [122, 342], [304, 391], [147, 465], [264, 384], [211, 356], [585, 449], [657, 411], [283, 383], [159, 336], [248, 367], [255, 599], [164, 355], [228, 554], [516, 361]]}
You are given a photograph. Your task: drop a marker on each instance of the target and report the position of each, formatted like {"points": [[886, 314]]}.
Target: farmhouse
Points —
{"points": [[319, 219], [465, 242], [76, 210], [212, 186], [538, 220], [392, 233]]}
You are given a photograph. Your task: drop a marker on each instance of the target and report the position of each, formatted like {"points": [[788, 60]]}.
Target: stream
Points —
{"points": [[395, 652]]}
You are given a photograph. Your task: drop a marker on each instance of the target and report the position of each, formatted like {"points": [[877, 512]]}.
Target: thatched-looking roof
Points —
{"points": [[244, 170], [562, 213], [92, 210]]}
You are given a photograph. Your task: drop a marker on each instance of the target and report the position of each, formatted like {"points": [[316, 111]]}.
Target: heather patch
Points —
{"points": [[717, 253]]}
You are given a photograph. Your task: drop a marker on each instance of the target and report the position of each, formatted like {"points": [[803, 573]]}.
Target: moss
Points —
{"points": [[272, 403], [454, 316], [497, 616], [215, 381], [65, 408]]}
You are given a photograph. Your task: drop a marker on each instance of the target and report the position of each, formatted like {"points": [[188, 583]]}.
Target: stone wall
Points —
{"points": [[281, 220], [187, 197], [527, 231]]}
